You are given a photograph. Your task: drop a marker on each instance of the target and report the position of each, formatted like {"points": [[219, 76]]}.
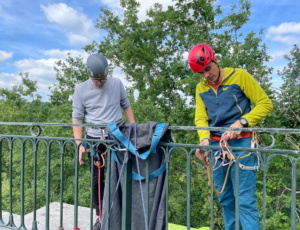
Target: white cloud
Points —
{"points": [[5, 55], [285, 28], [287, 40], [42, 71], [63, 54], [286, 33], [277, 55], [8, 80], [77, 26]]}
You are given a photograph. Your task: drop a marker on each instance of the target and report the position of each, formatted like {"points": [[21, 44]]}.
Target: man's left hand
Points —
{"points": [[233, 134]]}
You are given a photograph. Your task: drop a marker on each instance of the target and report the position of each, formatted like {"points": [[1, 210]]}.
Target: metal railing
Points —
{"points": [[189, 150]]}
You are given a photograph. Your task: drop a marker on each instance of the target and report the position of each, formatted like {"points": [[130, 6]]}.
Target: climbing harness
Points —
{"points": [[225, 153]]}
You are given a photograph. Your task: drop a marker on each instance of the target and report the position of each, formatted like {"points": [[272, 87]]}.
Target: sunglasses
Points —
{"points": [[99, 80]]}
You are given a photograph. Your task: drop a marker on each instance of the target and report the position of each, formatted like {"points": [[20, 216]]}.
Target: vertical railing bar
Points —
{"points": [[167, 160], [211, 163], [264, 169], [35, 148], [147, 189], [237, 193], [107, 185], [92, 152], [127, 193], [293, 204], [188, 200], [48, 185], [62, 184], [76, 185], [11, 222], [22, 182]]}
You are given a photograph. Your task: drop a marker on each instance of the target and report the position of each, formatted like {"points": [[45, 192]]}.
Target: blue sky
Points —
{"points": [[36, 34]]}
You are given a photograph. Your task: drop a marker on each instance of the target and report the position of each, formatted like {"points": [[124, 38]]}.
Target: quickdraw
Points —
{"points": [[225, 152]]}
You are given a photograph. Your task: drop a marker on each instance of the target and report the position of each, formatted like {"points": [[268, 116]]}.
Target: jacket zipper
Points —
{"points": [[238, 105]]}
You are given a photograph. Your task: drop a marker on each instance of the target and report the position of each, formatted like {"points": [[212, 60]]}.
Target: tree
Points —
{"points": [[152, 54]]}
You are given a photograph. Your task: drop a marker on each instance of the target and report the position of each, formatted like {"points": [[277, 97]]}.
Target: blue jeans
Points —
{"points": [[248, 211]]}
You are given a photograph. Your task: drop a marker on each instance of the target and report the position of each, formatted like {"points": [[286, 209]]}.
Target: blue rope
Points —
{"points": [[112, 203], [138, 168]]}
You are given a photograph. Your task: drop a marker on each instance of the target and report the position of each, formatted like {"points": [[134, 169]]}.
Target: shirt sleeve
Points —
{"points": [[78, 107], [201, 117], [253, 91], [124, 102]]}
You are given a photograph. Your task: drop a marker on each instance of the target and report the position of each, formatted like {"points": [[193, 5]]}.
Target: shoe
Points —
{"points": [[97, 225]]}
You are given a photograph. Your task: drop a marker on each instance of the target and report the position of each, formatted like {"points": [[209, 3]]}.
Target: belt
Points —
{"points": [[242, 135]]}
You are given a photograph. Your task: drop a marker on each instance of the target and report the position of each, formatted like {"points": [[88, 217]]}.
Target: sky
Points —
{"points": [[34, 35]]}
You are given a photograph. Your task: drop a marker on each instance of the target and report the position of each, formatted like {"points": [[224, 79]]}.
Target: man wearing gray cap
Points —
{"points": [[99, 100]]}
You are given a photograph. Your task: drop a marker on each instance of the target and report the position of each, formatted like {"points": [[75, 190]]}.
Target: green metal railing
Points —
{"points": [[35, 139]]}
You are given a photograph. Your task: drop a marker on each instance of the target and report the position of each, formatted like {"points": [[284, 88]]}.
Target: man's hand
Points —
{"points": [[81, 151], [233, 134], [199, 152]]}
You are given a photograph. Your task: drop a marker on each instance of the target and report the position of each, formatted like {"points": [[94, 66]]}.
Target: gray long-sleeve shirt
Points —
{"points": [[99, 105]]}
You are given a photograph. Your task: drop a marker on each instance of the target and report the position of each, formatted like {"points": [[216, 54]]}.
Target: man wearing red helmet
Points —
{"points": [[223, 99]]}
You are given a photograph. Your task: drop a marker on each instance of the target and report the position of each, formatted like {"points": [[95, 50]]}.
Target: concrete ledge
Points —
{"points": [[68, 217]]}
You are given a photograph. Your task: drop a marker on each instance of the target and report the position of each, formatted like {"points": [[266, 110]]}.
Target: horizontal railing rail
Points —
{"points": [[60, 144]]}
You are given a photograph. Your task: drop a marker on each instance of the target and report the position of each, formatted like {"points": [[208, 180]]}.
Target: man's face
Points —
{"points": [[99, 82], [211, 73]]}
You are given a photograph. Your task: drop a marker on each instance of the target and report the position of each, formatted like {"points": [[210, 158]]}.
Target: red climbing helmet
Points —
{"points": [[200, 56]]}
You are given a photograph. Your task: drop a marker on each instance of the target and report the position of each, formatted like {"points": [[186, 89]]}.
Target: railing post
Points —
{"points": [[188, 200], [22, 182], [237, 193], [211, 163], [167, 160], [76, 186], [48, 186], [62, 166], [107, 186], [293, 203], [147, 189], [127, 193], [35, 148], [264, 170], [11, 218]]}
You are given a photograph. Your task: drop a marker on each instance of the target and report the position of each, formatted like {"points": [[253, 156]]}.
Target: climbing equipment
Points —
{"points": [[225, 153], [99, 151], [124, 144], [125, 141], [118, 183], [97, 66], [200, 56]]}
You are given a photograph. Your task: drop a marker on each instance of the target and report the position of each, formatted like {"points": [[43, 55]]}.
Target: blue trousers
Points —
{"points": [[248, 211]]}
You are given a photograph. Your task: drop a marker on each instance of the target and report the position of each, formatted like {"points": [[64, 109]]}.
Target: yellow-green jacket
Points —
{"points": [[230, 102]]}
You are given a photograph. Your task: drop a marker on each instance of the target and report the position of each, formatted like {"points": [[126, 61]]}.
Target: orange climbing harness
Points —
{"points": [[225, 152]]}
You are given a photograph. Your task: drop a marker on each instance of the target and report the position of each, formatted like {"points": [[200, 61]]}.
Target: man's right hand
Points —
{"points": [[81, 151], [199, 152]]}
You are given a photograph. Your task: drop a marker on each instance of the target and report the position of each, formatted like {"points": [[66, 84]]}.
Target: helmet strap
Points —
{"points": [[218, 67]]}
